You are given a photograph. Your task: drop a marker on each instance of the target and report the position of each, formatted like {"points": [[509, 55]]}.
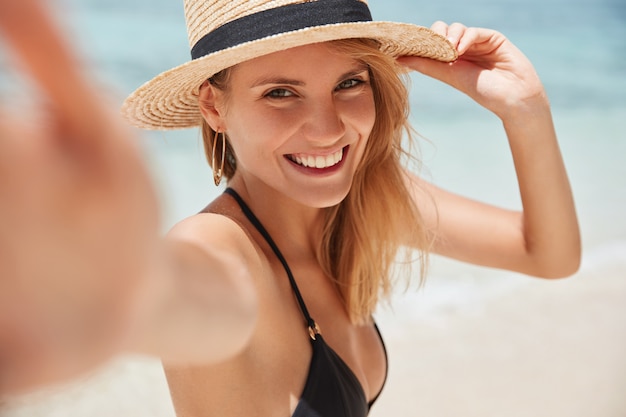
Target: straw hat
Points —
{"points": [[223, 33]]}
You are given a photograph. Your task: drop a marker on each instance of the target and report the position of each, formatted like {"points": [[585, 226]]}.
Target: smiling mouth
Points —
{"points": [[317, 161]]}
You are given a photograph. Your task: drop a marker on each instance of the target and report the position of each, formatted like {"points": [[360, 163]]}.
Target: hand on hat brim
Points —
{"points": [[489, 69]]}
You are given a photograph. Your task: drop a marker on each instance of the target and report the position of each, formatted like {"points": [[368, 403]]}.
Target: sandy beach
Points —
{"points": [[540, 349], [528, 348]]}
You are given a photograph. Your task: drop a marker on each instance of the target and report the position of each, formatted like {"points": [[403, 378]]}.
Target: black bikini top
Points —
{"points": [[331, 389]]}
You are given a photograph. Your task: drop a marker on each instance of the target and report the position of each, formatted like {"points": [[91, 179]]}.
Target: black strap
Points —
{"points": [[313, 329], [281, 19]]}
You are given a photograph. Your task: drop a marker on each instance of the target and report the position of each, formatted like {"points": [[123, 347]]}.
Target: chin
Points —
{"points": [[323, 197]]}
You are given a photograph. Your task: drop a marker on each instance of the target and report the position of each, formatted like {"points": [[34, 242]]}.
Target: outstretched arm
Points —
{"points": [[83, 272], [542, 240]]}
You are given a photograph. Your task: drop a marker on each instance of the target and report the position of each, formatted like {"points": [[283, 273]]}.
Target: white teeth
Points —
{"points": [[318, 161]]}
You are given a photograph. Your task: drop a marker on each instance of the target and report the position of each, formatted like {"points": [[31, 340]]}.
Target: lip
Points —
{"points": [[321, 171]]}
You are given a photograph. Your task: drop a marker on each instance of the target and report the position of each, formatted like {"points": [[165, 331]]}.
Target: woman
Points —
{"points": [[302, 109]]}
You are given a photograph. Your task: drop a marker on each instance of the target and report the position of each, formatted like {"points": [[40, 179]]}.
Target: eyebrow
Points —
{"points": [[276, 80], [289, 81]]}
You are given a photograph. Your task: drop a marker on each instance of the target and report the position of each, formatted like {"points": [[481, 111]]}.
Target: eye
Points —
{"points": [[279, 93], [352, 82]]}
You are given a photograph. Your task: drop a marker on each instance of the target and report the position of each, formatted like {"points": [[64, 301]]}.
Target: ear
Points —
{"points": [[210, 101]]}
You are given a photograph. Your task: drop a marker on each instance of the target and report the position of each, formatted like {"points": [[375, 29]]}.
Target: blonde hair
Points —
{"points": [[363, 235]]}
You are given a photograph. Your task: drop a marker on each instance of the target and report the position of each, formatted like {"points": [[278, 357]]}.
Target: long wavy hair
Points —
{"points": [[365, 235]]}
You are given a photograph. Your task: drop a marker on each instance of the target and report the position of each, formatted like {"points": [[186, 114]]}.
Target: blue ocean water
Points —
{"points": [[577, 46]]}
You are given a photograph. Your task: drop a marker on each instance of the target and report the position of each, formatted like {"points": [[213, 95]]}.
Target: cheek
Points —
{"points": [[370, 117], [363, 114], [247, 122], [252, 137]]}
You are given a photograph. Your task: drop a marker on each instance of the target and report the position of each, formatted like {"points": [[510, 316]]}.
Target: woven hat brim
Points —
{"points": [[170, 100]]}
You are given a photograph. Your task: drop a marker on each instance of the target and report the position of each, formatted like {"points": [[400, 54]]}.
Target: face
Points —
{"points": [[298, 121]]}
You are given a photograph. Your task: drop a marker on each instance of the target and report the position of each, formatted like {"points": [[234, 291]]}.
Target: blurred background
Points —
{"points": [[473, 341]]}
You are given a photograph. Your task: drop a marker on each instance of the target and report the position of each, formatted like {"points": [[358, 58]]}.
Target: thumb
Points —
{"points": [[459, 74], [442, 71]]}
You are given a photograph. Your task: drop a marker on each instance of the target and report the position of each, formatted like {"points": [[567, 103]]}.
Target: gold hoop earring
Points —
{"points": [[217, 173]]}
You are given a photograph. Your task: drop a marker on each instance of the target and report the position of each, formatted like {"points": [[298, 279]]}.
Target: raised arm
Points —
{"points": [[543, 239], [205, 310], [83, 272]]}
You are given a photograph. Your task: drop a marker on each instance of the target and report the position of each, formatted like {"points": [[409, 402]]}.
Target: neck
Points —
{"points": [[296, 228]]}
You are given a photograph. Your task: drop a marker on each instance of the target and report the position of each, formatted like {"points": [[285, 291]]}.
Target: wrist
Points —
{"points": [[525, 111]]}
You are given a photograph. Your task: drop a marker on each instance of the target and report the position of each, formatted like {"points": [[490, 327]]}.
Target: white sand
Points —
{"points": [[528, 348], [543, 349]]}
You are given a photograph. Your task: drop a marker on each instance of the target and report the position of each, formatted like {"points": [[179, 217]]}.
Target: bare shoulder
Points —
{"points": [[217, 232]]}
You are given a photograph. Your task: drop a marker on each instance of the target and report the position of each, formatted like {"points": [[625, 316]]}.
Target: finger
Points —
{"points": [[30, 30], [426, 66], [455, 33], [470, 38], [459, 74], [37, 41], [440, 28]]}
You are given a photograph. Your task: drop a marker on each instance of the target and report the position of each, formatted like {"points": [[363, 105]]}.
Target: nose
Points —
{"points": [[325, 124]]}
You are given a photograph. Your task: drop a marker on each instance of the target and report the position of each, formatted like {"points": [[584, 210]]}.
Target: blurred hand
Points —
{"points": [[78, 217], [490, 69]]}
